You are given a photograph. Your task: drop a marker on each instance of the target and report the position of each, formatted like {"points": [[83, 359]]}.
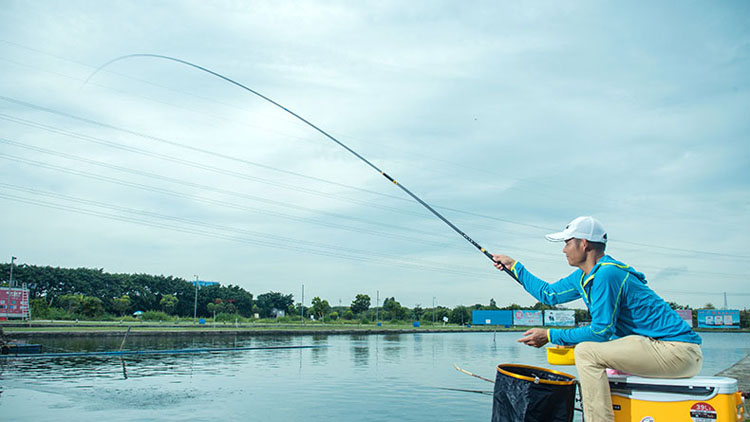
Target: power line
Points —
{"points": [[286, 186], [209, 201], [58, 57], [233, 194], [330, 252]]}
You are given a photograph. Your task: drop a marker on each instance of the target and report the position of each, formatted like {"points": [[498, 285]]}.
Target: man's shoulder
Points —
{"points": [[611, 270]]}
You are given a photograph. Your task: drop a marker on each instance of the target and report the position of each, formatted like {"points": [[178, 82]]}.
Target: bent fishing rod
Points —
{"points": [[324, 133]]}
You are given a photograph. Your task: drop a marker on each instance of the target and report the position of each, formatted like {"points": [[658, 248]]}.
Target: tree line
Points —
{"points": [[69, 293]]}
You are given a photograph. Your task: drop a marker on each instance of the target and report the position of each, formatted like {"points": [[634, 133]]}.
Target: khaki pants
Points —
{"points": [[636, 355]]}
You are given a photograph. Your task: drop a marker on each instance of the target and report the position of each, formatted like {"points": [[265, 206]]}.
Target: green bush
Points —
{"points": [[156, 316]]}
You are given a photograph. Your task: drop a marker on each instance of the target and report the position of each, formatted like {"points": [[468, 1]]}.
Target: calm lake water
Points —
{"points": [[358, 377]]}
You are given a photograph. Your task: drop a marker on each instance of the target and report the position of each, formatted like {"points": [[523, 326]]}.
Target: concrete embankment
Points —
{"points": [[741, 372], [155, 330]]}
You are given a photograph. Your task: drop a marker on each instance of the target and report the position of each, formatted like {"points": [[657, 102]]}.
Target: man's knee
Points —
{"points": [[588, 354], [585, 351]]}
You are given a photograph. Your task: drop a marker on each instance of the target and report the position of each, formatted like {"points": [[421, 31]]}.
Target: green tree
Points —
{"points": [[744, 318], [213, 307], [122, 304], [360, 304], [418, 312], [348, 314], [582, 315], [460, 315], [676, 306], [539, 306], [39, 308], [267, 302], [168, 303], [91, 306], [394, 310], [70, 303], [320, 307]]}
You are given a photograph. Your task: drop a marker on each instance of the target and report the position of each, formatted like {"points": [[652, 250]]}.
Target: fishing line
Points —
{"points": [[321, 131]]}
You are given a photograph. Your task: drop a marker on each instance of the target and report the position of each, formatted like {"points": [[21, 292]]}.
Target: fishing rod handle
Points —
{"points": [[507, 271]]}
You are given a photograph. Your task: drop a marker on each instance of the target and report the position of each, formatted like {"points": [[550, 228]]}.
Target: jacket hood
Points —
{"points": [[608, 260]]}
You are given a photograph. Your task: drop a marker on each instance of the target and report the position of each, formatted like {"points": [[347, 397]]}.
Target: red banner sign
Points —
{"points": [[14, 302]]}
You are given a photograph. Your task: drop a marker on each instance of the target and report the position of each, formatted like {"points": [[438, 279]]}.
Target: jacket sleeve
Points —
{"points": [[562, 291], [605, 294]]}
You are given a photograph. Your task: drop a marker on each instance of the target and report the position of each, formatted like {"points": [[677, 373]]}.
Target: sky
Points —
{"points": [[509, 118]]}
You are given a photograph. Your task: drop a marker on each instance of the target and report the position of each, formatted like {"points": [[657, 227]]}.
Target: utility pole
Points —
{"points": [[195, 304], [434, 311], [302, 306], [377, 304], [13, 258], [725, 295], [10, 284]]}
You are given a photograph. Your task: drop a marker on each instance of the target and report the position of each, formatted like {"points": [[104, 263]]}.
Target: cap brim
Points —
{"points": [[557, 237]]}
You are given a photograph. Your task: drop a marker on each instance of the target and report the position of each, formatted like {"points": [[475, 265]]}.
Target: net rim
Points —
{"points": [[534, 380]]}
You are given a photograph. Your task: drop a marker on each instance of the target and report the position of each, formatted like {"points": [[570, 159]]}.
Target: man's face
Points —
{"points": [[575, 251]]}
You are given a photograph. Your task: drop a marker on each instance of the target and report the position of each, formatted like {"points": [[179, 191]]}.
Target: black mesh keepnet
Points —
{"points": [[524, 400]]}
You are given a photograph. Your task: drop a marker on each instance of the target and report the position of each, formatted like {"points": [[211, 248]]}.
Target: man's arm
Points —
{"points": [[562, 291], [606, 290]]}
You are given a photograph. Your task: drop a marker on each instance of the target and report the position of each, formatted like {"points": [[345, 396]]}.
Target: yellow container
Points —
{"points": [[561, 355], [697, 399]]}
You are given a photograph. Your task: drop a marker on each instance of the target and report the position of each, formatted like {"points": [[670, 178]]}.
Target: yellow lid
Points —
{"points": [[561, 355]]}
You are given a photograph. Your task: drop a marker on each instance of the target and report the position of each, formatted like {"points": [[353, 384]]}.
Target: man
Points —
{"points": [[632, 329]]}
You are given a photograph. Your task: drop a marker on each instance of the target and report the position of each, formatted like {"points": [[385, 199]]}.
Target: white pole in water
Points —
{"points": [[302, 306]]}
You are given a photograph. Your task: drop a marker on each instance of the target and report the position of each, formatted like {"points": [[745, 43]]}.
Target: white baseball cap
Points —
{"points": [[585, 227]]}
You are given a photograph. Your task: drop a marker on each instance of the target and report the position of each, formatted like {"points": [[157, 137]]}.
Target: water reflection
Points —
{"points": [[392, 348], [360, 350], [373, 377]]}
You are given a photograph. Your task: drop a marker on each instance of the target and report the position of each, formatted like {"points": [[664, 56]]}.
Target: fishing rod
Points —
{"points": [[473, 375], [324, 133]]}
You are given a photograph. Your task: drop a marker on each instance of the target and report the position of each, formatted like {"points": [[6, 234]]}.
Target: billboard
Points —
{"points": [[561, 318], [14, 302], [202, 283], [492, 318], [714, 318], [521, 317], [686, 315]]}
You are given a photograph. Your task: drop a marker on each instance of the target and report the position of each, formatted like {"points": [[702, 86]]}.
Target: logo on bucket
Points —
{"points": [[702, 412], [647, 419]]}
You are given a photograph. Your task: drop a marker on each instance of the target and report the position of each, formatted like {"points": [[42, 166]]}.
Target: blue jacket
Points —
{"points": [[618, 299]]}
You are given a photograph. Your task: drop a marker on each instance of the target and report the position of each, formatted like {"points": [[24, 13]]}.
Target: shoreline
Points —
{"points": [[108, 329]]}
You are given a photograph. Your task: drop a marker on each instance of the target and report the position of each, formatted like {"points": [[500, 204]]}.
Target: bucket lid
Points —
{"points": [[684, 386]]}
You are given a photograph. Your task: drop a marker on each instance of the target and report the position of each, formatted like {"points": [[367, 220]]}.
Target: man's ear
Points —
{"points": [[585, 244]]}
